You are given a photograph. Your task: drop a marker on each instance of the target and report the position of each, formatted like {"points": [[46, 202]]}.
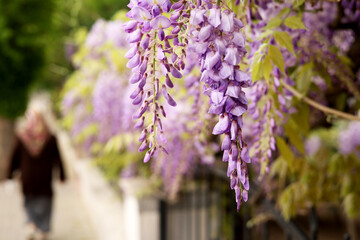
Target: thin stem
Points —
{"points": [[318, 106]]}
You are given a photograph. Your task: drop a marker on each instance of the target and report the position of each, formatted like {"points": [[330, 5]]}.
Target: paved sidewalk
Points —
{"points": [[69, 222]]}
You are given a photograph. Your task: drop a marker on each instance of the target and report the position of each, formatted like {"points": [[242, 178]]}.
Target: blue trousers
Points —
{"points": [[38, 211]]}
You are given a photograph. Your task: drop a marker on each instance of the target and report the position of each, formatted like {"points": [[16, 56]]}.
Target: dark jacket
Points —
{"points": [[36, 172]]}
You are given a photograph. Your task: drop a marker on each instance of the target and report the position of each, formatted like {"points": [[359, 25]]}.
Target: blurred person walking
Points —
{"points": [[35, 155]]}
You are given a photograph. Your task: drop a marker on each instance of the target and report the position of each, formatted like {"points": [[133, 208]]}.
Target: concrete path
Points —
{"points": [[69, 222]]}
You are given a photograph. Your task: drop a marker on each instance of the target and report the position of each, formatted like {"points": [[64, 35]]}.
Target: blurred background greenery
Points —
{"points": [[35, 38]]}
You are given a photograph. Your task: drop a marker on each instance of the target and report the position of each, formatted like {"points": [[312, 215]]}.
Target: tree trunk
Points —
{"points": [[7, 136]]}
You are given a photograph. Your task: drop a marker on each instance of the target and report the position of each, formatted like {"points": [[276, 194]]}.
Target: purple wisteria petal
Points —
{"points": [[231, 166], [163, 111], [226, 143], [138, 99], [201, 47], [238, 196], [171, 101], [238, 168], [174, 16], [177, 5], [146, 28], [233, 91], [205, 33], [245, 195], [230, 104], [216, 109], [239, 40], [242, 98], [246, 183], [233, 181], [214, 17], [166, 6], [220, 46], [210, 62], [140, 14], [132, 51], [147, 156], [222, 126], [243, 173], [133, 62], [227, 22], [243, 78], [160, 54], [160, 2], [231, 56], [135, 77], [143, 67], [217, 97], [140, 123], [160, 22], [130, 26], [155, 11], [226, 70], [168, 81], [197, 16], [135, 93], [145, 42], [234, 152], [175, 73], [143, 135], [225, 157], [176, 30], [233, 130], [238, 23], [245, 155], [134, 36], [161, 34], [143, 146], [238, 111]]}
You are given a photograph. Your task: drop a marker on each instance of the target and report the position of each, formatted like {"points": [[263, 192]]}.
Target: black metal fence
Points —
{"points": [[201, 213]]}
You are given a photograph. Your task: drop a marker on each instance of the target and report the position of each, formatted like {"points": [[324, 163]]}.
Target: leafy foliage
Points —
{"points": [[23, 25]]}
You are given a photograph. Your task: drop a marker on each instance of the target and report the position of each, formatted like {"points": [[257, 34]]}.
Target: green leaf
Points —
{"points": [[283, 12], [294, 136], [294, 22], [272, 23], [303, 77], [284, 40], [285, 151], [257, 68], [301, 118], [298, 3], [351, 205], [267, 68], [276, 57]]}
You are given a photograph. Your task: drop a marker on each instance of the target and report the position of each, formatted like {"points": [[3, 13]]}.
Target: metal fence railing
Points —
{"points": [[203, 214]]}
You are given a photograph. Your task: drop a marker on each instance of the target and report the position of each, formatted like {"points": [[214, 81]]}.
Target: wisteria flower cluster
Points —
{"points": [[210, 30], [93, 94]]}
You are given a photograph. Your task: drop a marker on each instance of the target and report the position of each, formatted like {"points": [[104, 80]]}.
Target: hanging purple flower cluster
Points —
{"points": [[217, 39], [159, 49], [148, 61]]}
